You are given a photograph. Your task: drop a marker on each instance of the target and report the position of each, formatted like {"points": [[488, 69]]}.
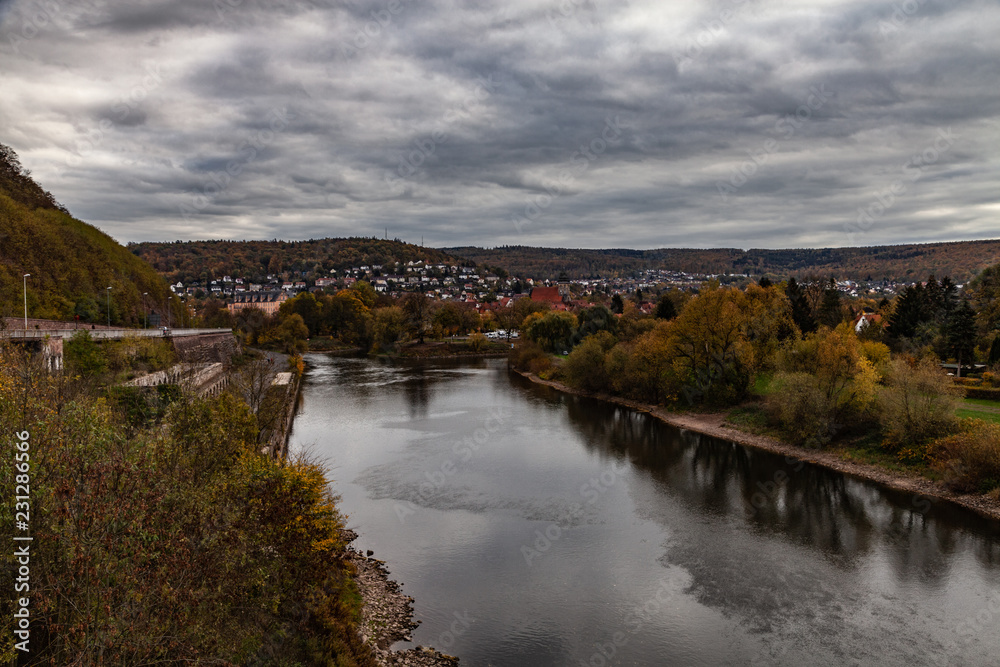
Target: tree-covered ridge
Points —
{"points": [[71, 263], [195, 260], [17, 183], [962, 260]]}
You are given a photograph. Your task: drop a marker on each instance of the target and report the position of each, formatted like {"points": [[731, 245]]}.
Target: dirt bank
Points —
{"points": [[713, 424]]}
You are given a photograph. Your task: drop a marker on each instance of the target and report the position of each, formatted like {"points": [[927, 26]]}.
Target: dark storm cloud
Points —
{"points": [[737, 122]]}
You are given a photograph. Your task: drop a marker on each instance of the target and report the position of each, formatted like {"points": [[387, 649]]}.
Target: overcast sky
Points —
{"points": [[577, 123]]}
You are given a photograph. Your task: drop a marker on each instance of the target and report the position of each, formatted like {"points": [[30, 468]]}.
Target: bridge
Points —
{"points": [[107, 334], [192, 345]]}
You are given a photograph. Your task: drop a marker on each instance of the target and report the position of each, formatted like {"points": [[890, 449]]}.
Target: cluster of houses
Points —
{"points": [[470, 285]]}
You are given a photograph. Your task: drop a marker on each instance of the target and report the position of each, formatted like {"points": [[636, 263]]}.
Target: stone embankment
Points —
{"points": [[387, 615]]}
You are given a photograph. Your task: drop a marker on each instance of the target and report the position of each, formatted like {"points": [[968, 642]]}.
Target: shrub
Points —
{"points": [[918, 404], [988, 393], [799, 406], [970, 460], [584, 367], [84, 355], [529, 356], [477, 342]]}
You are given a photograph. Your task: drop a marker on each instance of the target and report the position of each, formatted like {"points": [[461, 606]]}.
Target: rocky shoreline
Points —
{"points": [[713, 424], [387, 614]]}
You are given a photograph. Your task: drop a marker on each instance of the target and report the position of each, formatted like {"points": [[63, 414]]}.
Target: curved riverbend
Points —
{"points": [[535, 527]]}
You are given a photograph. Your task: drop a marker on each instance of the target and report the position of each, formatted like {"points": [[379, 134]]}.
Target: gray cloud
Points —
{"points": [[748, 123]]}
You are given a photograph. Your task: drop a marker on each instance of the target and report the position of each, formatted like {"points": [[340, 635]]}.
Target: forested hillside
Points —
{"points": [[71, 263], [198, 260], [961, 260]]}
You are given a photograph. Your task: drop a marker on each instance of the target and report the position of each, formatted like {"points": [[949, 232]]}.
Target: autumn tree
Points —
{"points": [[710, 343], [417, 308]]}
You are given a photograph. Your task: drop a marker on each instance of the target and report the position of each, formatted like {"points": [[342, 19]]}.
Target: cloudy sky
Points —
{"points": [[580, 123]]}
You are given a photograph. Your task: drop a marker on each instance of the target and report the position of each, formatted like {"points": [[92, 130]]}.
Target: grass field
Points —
{"points": [[979, 408]]}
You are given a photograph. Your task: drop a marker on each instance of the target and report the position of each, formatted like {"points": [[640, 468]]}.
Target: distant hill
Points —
{"points": [[186, 261], [71, 263], [960, 260]]}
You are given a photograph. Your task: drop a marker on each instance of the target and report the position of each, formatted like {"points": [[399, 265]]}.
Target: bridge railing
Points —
{"points": [[42, 334]]}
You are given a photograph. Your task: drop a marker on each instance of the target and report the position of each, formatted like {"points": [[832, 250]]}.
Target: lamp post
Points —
{"points": [[109, 307], [26, 276], [144, 295]]}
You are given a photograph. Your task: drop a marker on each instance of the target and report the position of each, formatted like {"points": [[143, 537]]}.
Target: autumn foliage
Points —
{"points": [[176, 543]]}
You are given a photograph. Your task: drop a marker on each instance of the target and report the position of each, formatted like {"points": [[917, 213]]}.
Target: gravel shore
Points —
{"points": [[713, 424], [387, 615]]}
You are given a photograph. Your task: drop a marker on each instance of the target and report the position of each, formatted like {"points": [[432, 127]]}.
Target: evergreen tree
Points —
{"points": [[617, 305], [830, 313], [665, 309], [949, 295], [961, 333], [910, 312], [801, 312], [994, 352]]}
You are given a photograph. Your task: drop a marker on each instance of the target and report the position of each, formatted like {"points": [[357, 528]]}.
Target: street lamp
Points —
{"points": [[109, 307], [26, 276], [144, 295]]}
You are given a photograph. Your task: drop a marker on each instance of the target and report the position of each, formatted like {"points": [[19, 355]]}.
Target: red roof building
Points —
{"points": [[547, 294]]}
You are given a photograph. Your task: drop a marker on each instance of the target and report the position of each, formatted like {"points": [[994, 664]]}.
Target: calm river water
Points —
{"points": [[536, 528]]}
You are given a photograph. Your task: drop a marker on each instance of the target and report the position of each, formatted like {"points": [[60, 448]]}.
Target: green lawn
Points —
{"points": [[979, 408], [982, 402]]}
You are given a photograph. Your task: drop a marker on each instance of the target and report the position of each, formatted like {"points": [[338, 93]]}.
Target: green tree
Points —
{"points": [[585, 365], [617, 304], [830, 312], [665, 309], [594, 319], [801, 311], [961, 333], [909, 312], [293, 333], [553, 330], [388, 327], [84, 355]]}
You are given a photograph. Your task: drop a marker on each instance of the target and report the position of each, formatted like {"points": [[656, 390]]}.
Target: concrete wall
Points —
{"points": [[206, 348]]}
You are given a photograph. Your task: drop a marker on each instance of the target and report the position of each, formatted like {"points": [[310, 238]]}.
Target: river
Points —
{"points": [[538, 528]]}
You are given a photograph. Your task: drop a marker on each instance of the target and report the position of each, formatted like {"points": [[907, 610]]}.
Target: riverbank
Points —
{"points": [[714, 425], [387, 614]]}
